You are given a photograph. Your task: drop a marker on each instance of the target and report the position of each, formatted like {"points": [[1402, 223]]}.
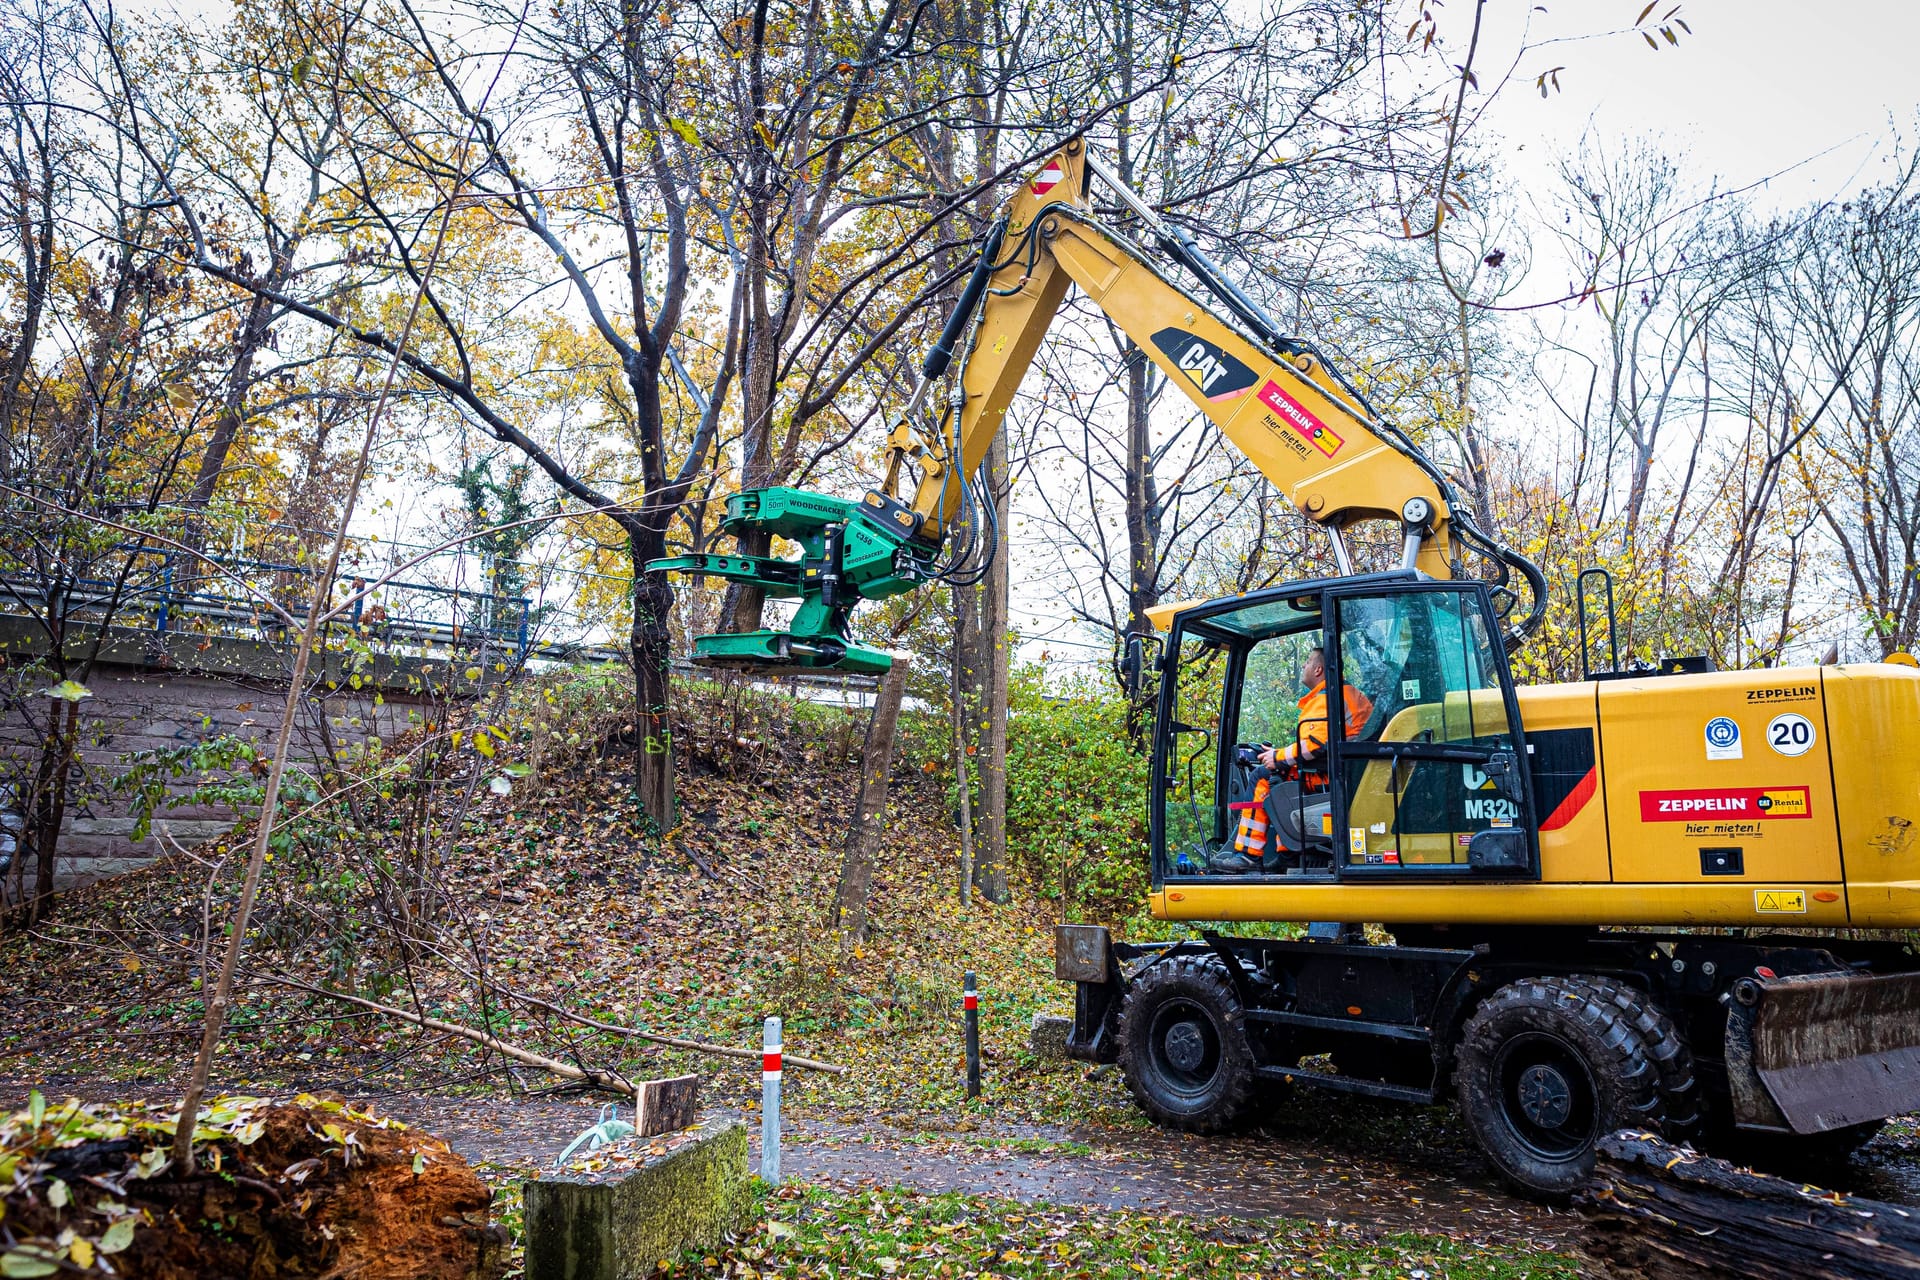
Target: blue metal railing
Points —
{"points": [[163, 595]]}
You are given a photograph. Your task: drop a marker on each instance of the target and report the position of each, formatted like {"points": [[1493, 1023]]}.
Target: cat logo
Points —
{"points": [[1219, 376]]}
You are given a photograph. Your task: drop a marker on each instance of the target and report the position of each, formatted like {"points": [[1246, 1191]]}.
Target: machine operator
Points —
{"points": [[1297, 759]]}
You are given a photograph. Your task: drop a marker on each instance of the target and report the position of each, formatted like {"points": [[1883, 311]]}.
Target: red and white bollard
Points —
{"points": [[970, 1001], [770, 1103]]}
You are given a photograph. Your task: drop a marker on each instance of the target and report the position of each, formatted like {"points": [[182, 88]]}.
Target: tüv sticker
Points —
{"points": [[1723, 739]]}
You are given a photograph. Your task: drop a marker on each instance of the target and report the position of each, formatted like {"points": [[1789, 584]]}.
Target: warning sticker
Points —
{"points": [[1724, 802], [1304, 424], [1048, 178], [1780, 902]]}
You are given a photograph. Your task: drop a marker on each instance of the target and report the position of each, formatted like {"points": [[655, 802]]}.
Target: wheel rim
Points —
{"points": [[1547, 1095], [1184, 1047]]}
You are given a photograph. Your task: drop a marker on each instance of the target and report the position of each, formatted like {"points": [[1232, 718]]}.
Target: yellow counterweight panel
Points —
{"points": [[1691, 768], [1872, 733]]}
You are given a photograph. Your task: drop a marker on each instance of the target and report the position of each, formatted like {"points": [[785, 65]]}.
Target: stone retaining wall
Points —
{"points": [[134, 709]]}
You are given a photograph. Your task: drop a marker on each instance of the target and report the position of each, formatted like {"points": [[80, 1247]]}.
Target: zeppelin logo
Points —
{"points": [[1783, 693], [1295, 415], [1725, 802]]}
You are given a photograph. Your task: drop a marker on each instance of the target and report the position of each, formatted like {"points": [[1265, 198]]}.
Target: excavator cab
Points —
{"points": [[1415, 772]]}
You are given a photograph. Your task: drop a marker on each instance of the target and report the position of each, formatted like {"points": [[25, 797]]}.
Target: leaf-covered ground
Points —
{"points": [[826, 1232], [556, 889], [559, 893]]}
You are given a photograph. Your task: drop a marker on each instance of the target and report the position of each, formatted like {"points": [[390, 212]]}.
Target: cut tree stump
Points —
{"points": [[666, 1106], [1663, 1212], [636, 1202]]}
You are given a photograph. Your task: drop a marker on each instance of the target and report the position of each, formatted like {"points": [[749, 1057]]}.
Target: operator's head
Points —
{"points": [[1313, 669]]}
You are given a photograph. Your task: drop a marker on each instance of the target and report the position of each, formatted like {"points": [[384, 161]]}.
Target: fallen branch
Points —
{"points": [[654, 1037], [608, 1081], [697, 860]]}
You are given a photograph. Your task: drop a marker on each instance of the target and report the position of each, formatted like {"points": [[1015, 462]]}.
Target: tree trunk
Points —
{"points": [[990, 661], [233, 405], [960, 770], [50, 804], [1143, 520], [1665, 1213], [870, 809], [650, 645]]}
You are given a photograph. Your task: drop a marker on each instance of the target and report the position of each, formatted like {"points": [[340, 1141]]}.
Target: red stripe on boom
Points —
{"points": [[1576, 800]]}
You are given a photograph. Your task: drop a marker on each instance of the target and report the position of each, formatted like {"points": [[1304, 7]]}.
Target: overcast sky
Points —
{"points": [[1759, 87]]}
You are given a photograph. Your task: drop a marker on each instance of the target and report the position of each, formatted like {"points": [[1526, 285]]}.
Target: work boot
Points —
{"points": [[1232, 864]]}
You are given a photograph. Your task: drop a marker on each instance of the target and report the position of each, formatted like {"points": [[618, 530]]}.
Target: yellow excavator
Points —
{"points": [[1657, 897]]}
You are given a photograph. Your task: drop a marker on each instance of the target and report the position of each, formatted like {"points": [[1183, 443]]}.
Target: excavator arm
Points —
{"points": [[1275, 398]]}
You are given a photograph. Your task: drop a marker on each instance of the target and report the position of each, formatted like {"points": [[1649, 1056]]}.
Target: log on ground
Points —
{"points": [[1663, 1212]]}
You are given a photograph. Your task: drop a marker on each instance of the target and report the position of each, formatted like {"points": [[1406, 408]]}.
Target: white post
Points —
{"points": [[770, 1103]]}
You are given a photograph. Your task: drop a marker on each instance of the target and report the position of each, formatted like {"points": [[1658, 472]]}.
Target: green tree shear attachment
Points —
{"points": [[850, 551]]}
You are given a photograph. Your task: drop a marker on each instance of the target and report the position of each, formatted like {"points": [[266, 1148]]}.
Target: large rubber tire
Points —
{"points": [[1546, 1068], [1680, 1105], [1184, 1047]]}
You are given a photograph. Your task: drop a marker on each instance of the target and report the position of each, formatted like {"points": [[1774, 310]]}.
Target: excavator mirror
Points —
{"points": [[1133, 661], [1503, 772]]}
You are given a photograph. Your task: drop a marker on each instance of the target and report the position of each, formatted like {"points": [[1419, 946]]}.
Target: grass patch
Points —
{"points": [[811, 1231]]}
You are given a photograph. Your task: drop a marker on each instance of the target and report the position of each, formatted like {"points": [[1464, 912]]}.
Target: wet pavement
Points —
{"points": [[1272, 1173]]}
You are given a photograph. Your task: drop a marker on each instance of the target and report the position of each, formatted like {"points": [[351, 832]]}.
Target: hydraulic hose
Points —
{"points": [[942, 353]]}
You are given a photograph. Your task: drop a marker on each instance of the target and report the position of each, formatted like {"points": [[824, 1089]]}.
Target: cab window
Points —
{"points": [[1433, 670]]}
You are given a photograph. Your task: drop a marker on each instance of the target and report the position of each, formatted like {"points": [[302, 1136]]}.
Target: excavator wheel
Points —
{"points": [[1184, 1046], [1548, 1066], [1680, 1106]]}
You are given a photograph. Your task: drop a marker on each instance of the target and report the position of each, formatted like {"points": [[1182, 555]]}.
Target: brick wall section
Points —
{"points": [[136, 709]]}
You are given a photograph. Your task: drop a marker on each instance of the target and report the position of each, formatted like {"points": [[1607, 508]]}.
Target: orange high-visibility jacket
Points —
{"points": [[1313, 720]]}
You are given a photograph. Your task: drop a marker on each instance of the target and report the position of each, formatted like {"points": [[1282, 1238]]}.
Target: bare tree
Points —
{"points": [[1856, 304]]}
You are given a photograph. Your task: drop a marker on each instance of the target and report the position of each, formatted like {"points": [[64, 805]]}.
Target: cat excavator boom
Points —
{"points": [[1276, 398]]}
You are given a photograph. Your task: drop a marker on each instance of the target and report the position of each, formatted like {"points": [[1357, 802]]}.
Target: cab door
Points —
{"points": [[1431, 780]]}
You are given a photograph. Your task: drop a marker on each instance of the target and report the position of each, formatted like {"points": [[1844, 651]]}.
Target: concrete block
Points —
{"points": [[1048, 1036], [617, 1223]]}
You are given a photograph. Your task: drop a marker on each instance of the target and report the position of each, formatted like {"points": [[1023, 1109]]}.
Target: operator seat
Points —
{"points": [[1301, 820]]}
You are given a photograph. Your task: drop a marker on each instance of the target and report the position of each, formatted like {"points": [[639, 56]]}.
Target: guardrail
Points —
{"points": [[164, 598]]}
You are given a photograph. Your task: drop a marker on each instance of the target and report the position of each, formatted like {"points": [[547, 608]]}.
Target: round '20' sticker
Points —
{"points": [[1791, 734]]}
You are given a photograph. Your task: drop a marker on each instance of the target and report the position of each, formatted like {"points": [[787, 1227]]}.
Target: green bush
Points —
{"points": [[1076, 796]]}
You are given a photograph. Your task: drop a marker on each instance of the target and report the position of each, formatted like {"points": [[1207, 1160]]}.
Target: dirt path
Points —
{"points": [[1273, 1174]]}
